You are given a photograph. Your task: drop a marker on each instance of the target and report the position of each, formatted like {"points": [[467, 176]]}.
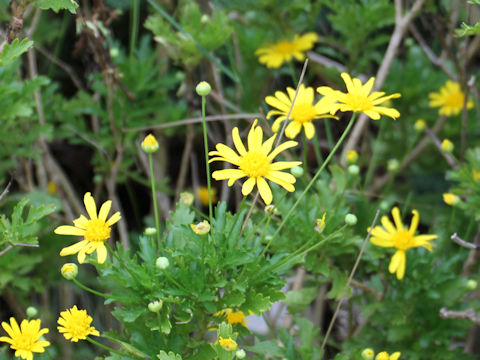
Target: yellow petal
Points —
{"points": [[280, 148], [101, 253], [387, 224], [81, 222], [265, 191], [397, 218], [414, 223], [293, 129], [69, 230], [90, 205], [248, 186], [238, 142], [309, 130], [395, 355], [104, 210], [114, 219], [73, 249]]}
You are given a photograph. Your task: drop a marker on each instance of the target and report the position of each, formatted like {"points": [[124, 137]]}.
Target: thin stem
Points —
{"points": [[154, 198], [310, 184], [207, 163], [94, 342], [330, 326], [316, 148], [328, 132], [86, 288], [305, 153], [134, 15]]}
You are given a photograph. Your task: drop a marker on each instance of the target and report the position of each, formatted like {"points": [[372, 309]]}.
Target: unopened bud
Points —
{"points": [[69, 271], [271, 209], [187, 198], [351, 157], [320, 224], [419, 125], [240, 354], [353, 170], [150, 231], [367, 354], [203, 88], [471, 284], [155, 306], [149, 144], [350, 219], [201, 228], [162, 263], [32, 311], [393, 165], [451, 199], [447, 146], [297, 171]]}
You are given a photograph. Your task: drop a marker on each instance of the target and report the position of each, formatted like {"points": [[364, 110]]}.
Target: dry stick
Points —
{"points": [[304, 69], [6, 190], [464, 243], [10, 247], [417, 150], [365, 242], [448, 157], [325, 61], [401, 26], [468, 314]]}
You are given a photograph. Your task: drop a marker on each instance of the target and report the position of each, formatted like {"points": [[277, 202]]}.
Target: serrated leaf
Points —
{"points": [[234, 299], [12, 51], [267, 348], [170, 356], [57, 5]]}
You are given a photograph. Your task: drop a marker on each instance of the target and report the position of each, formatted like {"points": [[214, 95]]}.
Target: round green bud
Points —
{"points": [[471, 284], [114, 52], [187, 198], [350, 219], [384, 205], [368, 354], [393, 165], [353, 170], [150, 144], [32, 312], [162, 263], [69, 271], [155, 306], [203, 88], [297, 171], [150, 231], [240, 354], [419, 125], [447, 146]]}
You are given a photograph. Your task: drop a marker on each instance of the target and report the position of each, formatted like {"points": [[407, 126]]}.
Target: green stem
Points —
{"points": [[94, 342], [86, 288], [373, 160], [305, 153], [169, 277], [318, 152], [134, 15], [207, 164], [154, 198], [310, 184], [328, 131], [293, 72]]}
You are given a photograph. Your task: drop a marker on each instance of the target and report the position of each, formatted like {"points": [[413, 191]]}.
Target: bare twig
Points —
{"points": [[6, 190], [378, 296], [347, 285], [10, 247], [468, 314], [448, 157], [464, 243], [325, 61]]}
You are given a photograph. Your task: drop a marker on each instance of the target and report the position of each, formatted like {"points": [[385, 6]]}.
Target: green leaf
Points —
{"points": [[298, 300], [129, 314], [234, 299], [12, 51], [170, 356], [57, 5], [468, 30], [266, 348]]}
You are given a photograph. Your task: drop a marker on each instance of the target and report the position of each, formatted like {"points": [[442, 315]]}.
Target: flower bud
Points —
{"points": [[187, 198], [162, 263], [32, 312], [384, 205], [353, 170], [419, 125], [351, 157], [447, 146], [320, 223], [201, 228], [350, 219], [155, 306], [149, 144], [240, 354], [451, 199], [393, 165], [367, 354], [150, 231], [471, 284], [271, 209], [69, 271], [297, 171], [203, 88]]}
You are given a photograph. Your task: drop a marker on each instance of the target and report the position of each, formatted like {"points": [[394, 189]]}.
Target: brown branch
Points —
{"points": [[448, 157], [464, 243], [378, 296], [468, 314]]}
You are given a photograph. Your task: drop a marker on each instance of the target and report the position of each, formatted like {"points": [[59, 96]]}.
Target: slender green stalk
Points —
{"points": [[310, 184], [154, 198], [293, 72], [318, 152], [169, 277], [207, 163], [328, 131], [134, 16], [86, 288], [373, 160], [94, 342], [305, 153]]}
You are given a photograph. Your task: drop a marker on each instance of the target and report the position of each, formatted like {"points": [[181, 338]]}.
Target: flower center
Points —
{"points": [[97, 230], [403, 240], [382, 356], [303, 112], [358, 102], [255, 164], [79, 327], [23, 342], [285, 47], [454, 100]]}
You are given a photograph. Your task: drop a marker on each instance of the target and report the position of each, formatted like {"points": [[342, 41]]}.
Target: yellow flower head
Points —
{"points": [[95, 231], [450, 199], [359, 98], [25, 339], [75, 324], [450, 99], [303, 112], [202, 194], [384, 356], [447, 146], [52, 187], [237, 317], [228, 344], [69, 271], [150, 144], [351, 156], [476, 174], [400, 238], [256, 163], [274, 55], [201, 228]]}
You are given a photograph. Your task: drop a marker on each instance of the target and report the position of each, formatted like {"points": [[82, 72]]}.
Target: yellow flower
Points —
{"points": [[476, 174], [201, 228], [450, 99], [303, 112], [202, 194], [450, 199], [420, 125], [95, 230], [256, 163], [358, 98], [150, 144], [274, 55], [351, 156], [400, 238], [228, 344], [52, 187], [69, 271], [447, 146], [75, 324], [24, 339], [384, 356], [320, 223], [237, 317]]}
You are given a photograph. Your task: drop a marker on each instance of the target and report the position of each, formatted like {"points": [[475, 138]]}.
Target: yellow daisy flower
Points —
{"points": [[256, 163], [25, 339], [233, 317], [303, 112], [228, 344], [95, 230], [202, 194], [400, 238], [359, 98], [450, 199], [384, 356], [75, 324], [476, 175], [450, 99], [274, 55]]}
